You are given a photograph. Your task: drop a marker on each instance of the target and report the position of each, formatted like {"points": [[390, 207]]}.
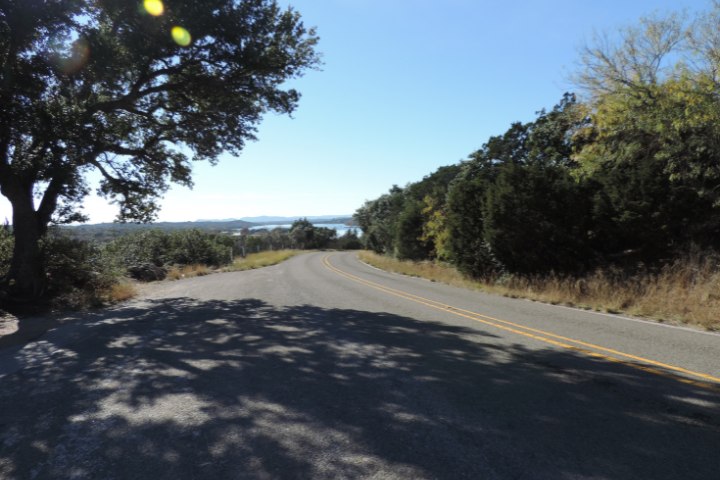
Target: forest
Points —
{"points": [[623, 176]]}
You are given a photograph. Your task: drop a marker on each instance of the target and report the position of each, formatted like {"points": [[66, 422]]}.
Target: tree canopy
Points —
{"points": [[626, 173], [135, 91]]}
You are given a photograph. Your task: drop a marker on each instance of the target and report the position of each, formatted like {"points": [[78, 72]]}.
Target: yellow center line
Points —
{"points": [[543, 336]]}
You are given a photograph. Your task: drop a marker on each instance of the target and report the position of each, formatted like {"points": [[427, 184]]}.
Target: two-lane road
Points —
{"points": [[323, 367]]}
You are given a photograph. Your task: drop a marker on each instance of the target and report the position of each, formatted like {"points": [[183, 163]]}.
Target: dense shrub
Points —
{"points": [[528, 225], [6, 248], [79, 273], [147, 247], [198, 247], [161, 249], [349, 241]]}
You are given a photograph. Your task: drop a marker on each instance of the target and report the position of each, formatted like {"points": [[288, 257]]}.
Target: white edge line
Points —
{"points": [[637, 320], [577, 309]]}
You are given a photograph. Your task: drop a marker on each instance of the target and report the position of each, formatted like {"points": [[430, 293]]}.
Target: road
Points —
{"points": [[324, 368]]}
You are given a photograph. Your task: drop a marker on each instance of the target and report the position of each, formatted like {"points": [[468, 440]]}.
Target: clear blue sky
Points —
{"points": [[406, 87]]}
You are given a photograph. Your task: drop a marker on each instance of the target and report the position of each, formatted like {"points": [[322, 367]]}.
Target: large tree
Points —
{"points": [[135, 91], [652, 142]]}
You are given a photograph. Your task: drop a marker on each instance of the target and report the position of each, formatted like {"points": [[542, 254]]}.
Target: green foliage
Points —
{"points": [[653, 141], [396, 222], [528, 225], [78, 269], [148, 247], [304, 235], [409, 242], [349, 241], [79, 273], [467, 247], [103, 87], [118, 92], [324, 237], [159, 248], [6, 248], [508, 208], [195, 246], [424, 215], [378, 220], [630, 177], [301, 235], [435, 226]]}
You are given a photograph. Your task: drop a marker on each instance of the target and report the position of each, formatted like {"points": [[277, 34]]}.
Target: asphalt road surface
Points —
{"points": [[325, 368]]}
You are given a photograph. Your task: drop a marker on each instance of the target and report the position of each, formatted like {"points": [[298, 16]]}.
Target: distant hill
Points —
{"points": [[106, 231], [315, 219]]}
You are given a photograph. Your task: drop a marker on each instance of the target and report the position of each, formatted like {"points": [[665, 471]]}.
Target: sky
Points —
{"points": [[406, 86]]}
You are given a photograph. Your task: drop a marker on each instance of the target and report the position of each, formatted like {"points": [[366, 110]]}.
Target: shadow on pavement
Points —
{"points": [[243, 389]]}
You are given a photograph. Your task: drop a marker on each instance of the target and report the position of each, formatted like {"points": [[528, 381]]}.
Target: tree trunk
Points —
{"points": [[26, 275]]}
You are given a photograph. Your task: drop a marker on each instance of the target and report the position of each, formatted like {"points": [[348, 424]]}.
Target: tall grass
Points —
{"points": [[188, 271], [121, 291], [434, 271], [685, 291], [250, 262], [262, 259]]}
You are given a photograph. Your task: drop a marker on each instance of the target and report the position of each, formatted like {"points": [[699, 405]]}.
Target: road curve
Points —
{"points": [[324, 367]]}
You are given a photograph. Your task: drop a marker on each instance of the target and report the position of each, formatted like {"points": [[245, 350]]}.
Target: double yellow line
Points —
{"points": [[645, 364]]}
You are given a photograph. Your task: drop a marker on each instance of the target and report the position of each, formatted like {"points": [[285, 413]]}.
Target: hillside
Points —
{"points": [[107, 231]]}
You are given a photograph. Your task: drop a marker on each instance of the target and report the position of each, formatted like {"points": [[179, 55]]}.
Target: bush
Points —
{"points": [[140, 252], [6, 249], [190, 247], [467, 248], [79, 273], [528, 225], [349, 241], [136, 249]]}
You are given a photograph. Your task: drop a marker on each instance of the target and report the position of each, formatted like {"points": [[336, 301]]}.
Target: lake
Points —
{"points": [[340, 228]]}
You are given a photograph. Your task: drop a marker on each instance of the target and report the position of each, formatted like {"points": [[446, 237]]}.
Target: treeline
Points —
{"points": [[628, 176], [84, 272], [81, 273], [301, 235]]}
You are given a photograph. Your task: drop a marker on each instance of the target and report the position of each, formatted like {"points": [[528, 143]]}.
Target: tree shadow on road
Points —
{"points": [[242, 389]]}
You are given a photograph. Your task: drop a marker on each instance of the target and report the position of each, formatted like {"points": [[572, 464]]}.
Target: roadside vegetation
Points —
{"points": [[609, 200], [262, 259], [84, 273], [683, 292], [100, 87]]}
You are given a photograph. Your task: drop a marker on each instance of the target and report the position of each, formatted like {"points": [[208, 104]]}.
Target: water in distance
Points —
{"points": [[340, 228]]}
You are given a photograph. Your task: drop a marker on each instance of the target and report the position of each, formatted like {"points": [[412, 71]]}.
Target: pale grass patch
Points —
{"points": [[434, 271], [687, 291], [188, 271], [262, 259], [121, 291]]}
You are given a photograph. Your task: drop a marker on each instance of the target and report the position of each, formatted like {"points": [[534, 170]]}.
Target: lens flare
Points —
{"points": [[181, 36], [71, 59], [154, 7]]}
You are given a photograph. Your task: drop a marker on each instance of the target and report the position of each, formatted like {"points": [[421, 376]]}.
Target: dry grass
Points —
{"points": [[434, 271], [188, 271], [262, 259], [687, 291], [120, 292], [252, 261], [93, 296]]}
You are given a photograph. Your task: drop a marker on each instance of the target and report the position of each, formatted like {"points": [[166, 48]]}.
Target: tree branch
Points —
{"points": [[48, 205]]}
